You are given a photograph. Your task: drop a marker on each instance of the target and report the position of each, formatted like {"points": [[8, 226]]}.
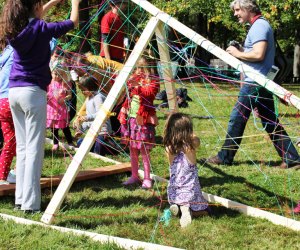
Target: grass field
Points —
{"points": [[104, 206]]}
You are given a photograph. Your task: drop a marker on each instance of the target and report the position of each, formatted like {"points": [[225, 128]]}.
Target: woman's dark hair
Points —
{"points": [[15, 17], [88, 83]]}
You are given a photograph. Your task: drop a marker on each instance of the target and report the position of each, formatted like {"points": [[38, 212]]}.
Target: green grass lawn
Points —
{"points": [[104, 206]]}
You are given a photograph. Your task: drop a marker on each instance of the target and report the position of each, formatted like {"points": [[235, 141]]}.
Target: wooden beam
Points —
{"points": [[101, 117], [47, 182], [220, 53], [254, 212], [165, 63]]}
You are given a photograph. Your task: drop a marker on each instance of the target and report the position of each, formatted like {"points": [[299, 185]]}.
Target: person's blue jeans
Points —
{"points": [[250, 97]]}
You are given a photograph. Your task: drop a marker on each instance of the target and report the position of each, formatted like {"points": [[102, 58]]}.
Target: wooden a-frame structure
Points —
{"points": [[155, 25]]}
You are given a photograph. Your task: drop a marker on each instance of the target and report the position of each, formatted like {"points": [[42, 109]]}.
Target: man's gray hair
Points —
{"points": [[250, 5]]}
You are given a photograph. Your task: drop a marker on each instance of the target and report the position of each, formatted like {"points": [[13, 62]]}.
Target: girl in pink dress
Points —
{"points": [[138, 118], [57, 111], [184, 191]]}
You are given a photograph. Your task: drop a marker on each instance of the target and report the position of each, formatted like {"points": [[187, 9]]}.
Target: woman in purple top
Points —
{"points": [[29, 36]]}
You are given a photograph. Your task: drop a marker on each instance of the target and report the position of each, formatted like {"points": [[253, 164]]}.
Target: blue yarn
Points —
{"points": [[166, 217]]}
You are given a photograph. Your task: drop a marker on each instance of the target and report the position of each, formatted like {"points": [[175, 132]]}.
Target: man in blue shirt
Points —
{"points": [[258, 52]]}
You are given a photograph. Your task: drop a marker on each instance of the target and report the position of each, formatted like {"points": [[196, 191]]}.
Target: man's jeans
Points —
{"points": [[252, 96]]}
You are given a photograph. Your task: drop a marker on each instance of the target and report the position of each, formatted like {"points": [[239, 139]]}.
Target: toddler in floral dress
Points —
{"points": [[57, 112], [184, 191]]}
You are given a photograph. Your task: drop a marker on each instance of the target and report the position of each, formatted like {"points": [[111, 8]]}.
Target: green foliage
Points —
{"points": [[283, 15]]}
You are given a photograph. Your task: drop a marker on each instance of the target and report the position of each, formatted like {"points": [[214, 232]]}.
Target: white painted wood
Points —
{"points": [[101, 157], [220, 53], [121, 242], [254, 212], [153, 177], [166, 67], [102, 115]]}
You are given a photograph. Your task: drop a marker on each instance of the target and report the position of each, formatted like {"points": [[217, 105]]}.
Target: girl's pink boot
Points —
{"points": [[132, 180]]}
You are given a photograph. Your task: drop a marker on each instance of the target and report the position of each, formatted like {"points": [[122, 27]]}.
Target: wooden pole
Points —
{"points": [[101, 117], [166, 66]]}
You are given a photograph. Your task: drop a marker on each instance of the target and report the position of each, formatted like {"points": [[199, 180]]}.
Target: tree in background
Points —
{"points": [[211, 18]]}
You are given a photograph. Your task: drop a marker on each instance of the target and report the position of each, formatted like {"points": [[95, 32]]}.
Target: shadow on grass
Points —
{"points": [[227, 178], [92, 222], [267, 164], [124, 196], [220, 211], [108, 202], [59, 153]]}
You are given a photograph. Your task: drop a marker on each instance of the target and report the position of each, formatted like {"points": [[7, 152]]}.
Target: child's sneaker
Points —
{"points": [[132, 180], [11, 178], [186, 217], [297, 208], [200, 213], [174, 210], [4, 182]]}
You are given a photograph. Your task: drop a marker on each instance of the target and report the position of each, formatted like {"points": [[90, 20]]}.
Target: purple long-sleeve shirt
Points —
{"points": [[32, 53]]}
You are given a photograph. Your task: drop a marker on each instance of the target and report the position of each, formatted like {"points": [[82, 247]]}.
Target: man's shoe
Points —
{"points": [[214, 160], [284, 165]]}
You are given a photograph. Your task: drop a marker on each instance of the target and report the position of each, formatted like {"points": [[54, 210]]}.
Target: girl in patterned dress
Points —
{"points": [[184, 191], [57, 111], [138, 118]]}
